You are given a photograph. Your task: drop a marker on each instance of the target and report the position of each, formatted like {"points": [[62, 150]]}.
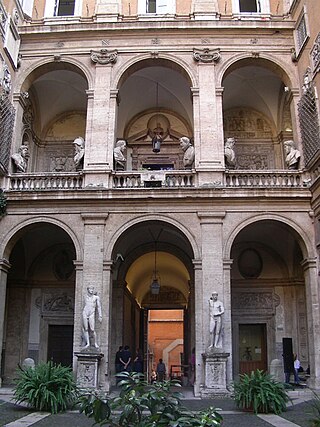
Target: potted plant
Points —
{"points": [[260, 392]]}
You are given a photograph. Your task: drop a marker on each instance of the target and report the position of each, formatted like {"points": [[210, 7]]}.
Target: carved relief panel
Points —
{"points": [[255, 137]]}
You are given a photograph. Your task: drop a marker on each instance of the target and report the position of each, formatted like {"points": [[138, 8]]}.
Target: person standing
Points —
{"points": [[161, 371], [125, 359], [138, 361], [117, 362]]}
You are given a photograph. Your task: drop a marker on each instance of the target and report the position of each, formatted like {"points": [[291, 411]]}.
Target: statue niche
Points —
{"points": [[154, 140]]}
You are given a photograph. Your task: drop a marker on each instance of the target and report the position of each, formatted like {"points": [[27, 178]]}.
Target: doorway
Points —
{"points": [[60, 344], [166, 342], [252, 347]]}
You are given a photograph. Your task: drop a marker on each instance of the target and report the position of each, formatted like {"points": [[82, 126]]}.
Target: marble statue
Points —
{"points": [[216, 310], [292, 154], [229, 154], [78, 152], [119, 158], [20, 159], [188, 148], [91, 304]]}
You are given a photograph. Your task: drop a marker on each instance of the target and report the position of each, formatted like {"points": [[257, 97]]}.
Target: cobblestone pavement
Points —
{"points": [[298, 414]]}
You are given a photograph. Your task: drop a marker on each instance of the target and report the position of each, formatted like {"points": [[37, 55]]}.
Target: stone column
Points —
{"points": [[211, 155], [98, 147], [295, 98], [20, 104], [106, 336], [198, 308], [116, 315], [4, 268], [312, 299]]}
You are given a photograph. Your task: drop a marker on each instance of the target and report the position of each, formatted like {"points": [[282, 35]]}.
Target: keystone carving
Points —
{"points": [[103, 56], [206, 55]]}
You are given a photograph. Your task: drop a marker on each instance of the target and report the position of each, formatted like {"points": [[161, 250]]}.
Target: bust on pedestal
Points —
{"points": [[215, 359]]}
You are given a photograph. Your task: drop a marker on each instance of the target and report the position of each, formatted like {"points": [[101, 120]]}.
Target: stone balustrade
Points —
{"points": [[46, 181], [264, 179], [163, 179]]}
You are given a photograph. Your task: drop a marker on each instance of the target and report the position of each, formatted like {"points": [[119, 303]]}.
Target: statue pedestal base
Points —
{"points": [[87, 368], [215, 377]]}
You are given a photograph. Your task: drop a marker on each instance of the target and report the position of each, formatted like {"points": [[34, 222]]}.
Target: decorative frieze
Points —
{"points": [[263, 301], [57, 302], [206, 55], [104, 57]]}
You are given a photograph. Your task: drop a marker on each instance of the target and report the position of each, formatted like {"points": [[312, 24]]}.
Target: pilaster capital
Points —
{"points": [[309, 263], [4, 265], [107, 265], [90, 93], [78, 265], [94, 218], [211, 217], [195, 91], [197, 263], [219, 91], [21, 98], [227, 264]]}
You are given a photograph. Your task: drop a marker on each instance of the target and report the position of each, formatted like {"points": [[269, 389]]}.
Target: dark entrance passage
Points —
{"points": [[60, 344], [253, 348]]}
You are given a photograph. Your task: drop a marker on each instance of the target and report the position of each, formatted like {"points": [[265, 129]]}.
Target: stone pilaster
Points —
{"points": [[199, 344], [106, 339], [312, 299], [4, 268], [78, 302], [227, 263], [209, 147]]}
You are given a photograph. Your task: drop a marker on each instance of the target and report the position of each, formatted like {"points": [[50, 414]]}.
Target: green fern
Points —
{"points": [[47, 387], [260, 392]]}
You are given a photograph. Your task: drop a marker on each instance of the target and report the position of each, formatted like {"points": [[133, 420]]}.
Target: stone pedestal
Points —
{"points": [[87, 368], [215, 375]]}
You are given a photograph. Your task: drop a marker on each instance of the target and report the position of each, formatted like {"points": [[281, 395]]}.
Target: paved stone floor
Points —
{"points": [[298, 414]]}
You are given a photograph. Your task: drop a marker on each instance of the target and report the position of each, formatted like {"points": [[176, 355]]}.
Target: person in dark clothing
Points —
{"points": [[125, 359], [161, 370], [117, 362], [138, 361]]}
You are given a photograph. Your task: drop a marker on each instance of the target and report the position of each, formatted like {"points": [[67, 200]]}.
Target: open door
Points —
{"points": [[252, 347]]}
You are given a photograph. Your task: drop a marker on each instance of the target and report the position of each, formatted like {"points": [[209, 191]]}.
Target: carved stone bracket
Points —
{"points": [[206, 55], [315, 55], [103, 56]]}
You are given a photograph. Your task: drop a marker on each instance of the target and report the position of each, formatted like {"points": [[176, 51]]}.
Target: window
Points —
{"points": [[301, 32], [63, 8], [157, 7], [251, 7]]}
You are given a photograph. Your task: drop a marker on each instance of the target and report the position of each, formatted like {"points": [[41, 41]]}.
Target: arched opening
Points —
{"points": [[268, 296], [158, 320], [154, 101], [39, 313], [256, 112], [55, 106]]}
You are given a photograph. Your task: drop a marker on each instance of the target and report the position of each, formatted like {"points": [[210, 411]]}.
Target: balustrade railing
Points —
{"points": [[264, 179], [164, 179], [46, 181]]}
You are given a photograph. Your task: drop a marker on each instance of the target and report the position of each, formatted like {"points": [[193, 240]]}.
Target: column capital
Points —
{"points": [[4, 265], [195, 91], [108, 264], [90, 93]]}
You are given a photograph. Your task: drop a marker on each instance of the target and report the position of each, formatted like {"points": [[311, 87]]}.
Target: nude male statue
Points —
{"points": [[91, 304], [216, 309]]}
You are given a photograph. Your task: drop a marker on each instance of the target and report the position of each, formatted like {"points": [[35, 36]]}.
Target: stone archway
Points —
{"points": [[269, 298], [135, 251], [39, 312]]}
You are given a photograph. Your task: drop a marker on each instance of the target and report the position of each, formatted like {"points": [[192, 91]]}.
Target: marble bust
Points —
{"points": [[189, 154], [292, 155], [20, 159], [229, 154]]}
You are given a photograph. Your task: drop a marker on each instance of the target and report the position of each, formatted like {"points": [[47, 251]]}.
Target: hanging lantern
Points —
{"points": [[156, 143]]}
